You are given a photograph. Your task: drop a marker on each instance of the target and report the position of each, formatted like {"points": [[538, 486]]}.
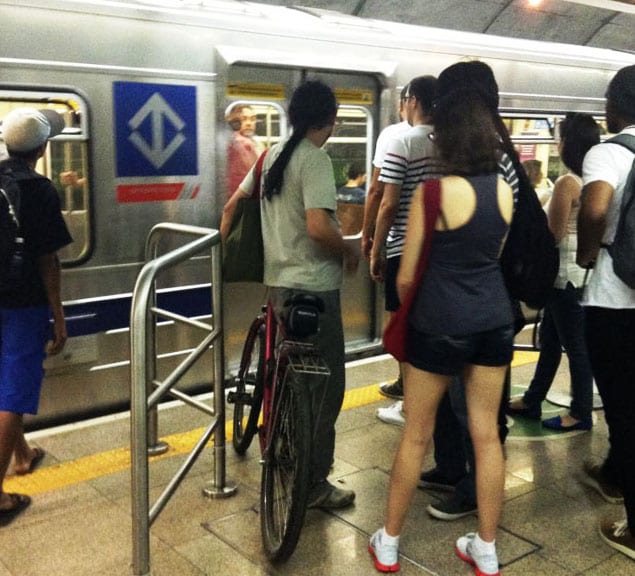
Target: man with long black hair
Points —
{"points": [[305, 253]]}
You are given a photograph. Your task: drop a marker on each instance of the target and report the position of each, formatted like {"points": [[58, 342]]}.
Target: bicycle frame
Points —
{"points": [[282, 405], [270, 383]]}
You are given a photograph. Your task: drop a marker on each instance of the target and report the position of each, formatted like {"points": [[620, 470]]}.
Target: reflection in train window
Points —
{"points": [[65, 162], [350, 146], [254, 126], [535, 139]]}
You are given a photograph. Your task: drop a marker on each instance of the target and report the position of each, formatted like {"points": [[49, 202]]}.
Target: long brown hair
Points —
{"points": [[465, 133]]}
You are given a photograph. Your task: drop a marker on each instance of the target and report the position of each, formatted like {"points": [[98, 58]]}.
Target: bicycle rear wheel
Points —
{"points": [[285, 475], [247, 398]]}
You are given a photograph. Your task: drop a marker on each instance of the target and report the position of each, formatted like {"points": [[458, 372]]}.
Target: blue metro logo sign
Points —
{"points": [[155, 130]]}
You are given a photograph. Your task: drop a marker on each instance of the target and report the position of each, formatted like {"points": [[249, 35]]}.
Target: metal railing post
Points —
{"points": [[144, 401], [139, 429], [218, 487]]}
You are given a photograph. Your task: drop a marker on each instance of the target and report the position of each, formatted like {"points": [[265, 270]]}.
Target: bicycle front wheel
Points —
{"points": [[285, 473], [249, 389]]}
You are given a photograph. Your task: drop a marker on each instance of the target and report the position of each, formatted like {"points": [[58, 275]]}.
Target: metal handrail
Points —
{"points": [[144, 314]]}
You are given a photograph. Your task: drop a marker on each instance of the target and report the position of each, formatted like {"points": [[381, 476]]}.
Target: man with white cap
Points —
{"points": [[25, 307]]}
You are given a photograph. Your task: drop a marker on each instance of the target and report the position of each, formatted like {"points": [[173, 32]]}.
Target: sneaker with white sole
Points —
{"points": [[328, 497], [433, 479], [385, 556], [595, 478], [451, 508], [393, 414], [484, 564], [618, 536], [392, 389]]}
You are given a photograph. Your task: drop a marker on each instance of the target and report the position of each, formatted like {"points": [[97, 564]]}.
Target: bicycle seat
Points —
{"points": [[303, 316]]}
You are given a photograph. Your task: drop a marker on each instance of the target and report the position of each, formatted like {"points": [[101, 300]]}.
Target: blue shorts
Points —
{"points": [[448, 355], [23, 336], [390, 283]]}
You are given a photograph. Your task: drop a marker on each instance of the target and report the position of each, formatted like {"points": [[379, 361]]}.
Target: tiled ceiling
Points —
{"points": [[603, 24]]}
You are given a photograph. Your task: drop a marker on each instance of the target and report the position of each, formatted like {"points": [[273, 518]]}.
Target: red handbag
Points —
{"points": [[396, 331]]}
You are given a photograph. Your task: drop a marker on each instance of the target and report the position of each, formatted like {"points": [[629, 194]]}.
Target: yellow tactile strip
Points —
{"points": [[64, 474]]}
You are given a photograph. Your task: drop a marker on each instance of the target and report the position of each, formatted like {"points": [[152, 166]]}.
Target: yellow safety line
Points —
{"points": [[94, 466]]}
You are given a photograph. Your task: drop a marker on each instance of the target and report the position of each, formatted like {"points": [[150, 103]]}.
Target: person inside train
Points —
{"points": [[351, 198], [409, 156], [305, 253], [461, 323], [533, 168], [243, 150], [563, 321], [610, 310], [25, 306], [354, 191], [371, 207]]}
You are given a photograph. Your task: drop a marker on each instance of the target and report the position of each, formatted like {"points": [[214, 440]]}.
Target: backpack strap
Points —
{"points": [[11, 192], [628, 142], [625, 140]]}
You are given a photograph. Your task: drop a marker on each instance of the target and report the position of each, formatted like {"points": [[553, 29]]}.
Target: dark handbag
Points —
{"points": [[396, 332], [243, 250]]}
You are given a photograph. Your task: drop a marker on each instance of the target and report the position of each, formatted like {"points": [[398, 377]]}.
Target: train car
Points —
{"points": [[144, 88]]}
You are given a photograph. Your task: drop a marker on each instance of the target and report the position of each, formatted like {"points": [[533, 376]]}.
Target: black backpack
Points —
{"points": [[530, 258], [622, 249], [11, 239]]}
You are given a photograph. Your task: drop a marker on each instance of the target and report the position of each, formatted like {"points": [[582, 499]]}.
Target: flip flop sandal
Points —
{"points": [[35, 462], [20, 503]]}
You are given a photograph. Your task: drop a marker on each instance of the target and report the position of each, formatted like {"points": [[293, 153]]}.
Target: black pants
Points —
{"points": [[610, 337]]}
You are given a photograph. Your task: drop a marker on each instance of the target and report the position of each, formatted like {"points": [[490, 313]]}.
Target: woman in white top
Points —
{"points": [[563, 321]]}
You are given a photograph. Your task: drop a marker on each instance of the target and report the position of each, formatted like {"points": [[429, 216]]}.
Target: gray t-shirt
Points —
{"points": [[292, 258]]}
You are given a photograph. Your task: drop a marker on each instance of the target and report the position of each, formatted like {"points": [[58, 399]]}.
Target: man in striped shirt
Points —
{"points": [[409, 158]]}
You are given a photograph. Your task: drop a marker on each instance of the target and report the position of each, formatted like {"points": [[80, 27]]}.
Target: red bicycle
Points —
{"points": [[277, 375]]}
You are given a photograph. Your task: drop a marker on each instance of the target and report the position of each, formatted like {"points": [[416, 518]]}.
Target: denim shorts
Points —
{"points": [[448, 355], [23, 336], [390, 283]]}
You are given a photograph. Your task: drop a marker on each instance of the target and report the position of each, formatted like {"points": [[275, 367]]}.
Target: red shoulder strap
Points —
{"points": [[431, 199]]}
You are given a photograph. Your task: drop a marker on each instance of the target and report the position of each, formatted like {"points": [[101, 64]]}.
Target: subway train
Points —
{"points": [[144, 88]]}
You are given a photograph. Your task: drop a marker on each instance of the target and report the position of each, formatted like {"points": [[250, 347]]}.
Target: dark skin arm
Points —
{"points": [[594, 207]]}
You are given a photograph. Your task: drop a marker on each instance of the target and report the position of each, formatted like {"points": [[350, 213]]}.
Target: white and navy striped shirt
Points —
{"points": [[410, 159]]}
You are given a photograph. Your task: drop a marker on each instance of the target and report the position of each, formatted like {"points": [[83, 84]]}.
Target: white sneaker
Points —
{"points": [[386, 556], [393, 414], [484, 564]]}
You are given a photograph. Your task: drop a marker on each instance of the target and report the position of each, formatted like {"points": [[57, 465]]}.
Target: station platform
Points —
{"points": [[79, 522]]}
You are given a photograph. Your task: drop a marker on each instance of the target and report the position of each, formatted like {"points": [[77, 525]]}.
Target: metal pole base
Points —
{"points": [[215, 493], [158, 448]]}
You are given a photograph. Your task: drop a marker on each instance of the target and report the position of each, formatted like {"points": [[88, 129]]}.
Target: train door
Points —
{"points": [[350, 149], [262, 105]]}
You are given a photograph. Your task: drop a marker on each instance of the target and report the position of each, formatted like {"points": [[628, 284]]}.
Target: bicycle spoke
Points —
{"points": [[286, 472]]}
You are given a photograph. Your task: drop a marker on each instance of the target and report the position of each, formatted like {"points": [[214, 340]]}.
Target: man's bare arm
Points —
{"points": [[594, 207], [371, 208]]}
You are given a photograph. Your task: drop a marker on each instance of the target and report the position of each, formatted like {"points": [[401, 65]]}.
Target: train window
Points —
{"points": [[65, 163], [255, 125], [535, 139], [350, 150]]}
